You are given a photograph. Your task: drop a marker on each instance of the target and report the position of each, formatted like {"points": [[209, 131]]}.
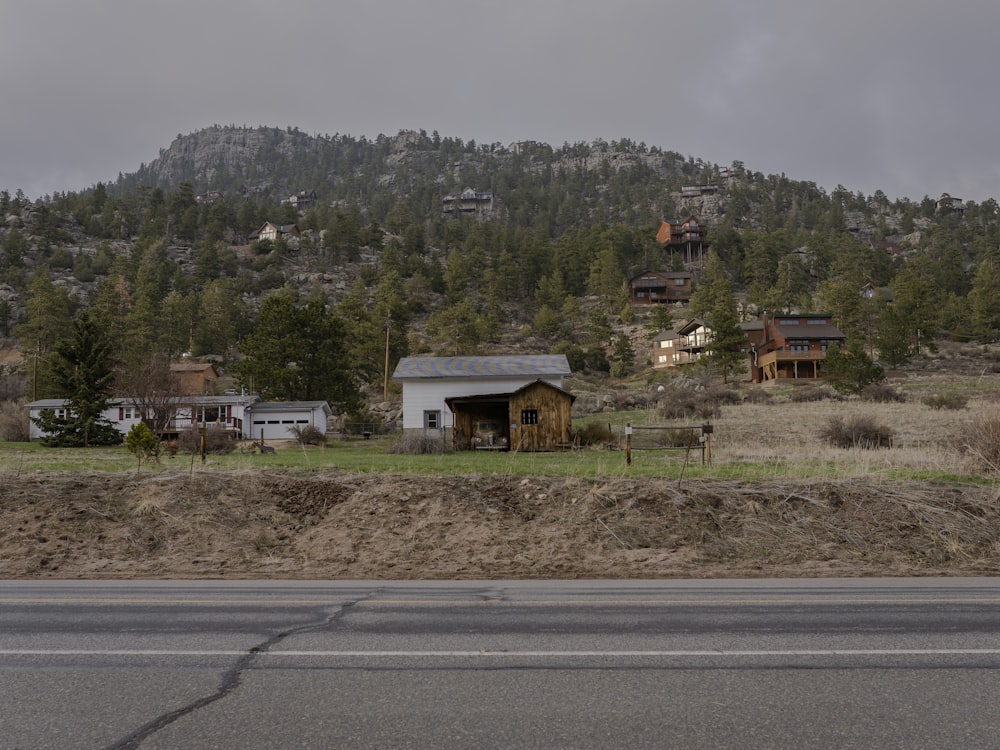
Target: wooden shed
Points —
{"points": [[535, 417]]}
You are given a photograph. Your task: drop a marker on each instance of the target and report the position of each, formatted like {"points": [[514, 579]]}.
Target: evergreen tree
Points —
{"points": [[48, 317], [84, 373], [622, 356], [895, 347], [984, 300], [849, 371], [297, 352]]}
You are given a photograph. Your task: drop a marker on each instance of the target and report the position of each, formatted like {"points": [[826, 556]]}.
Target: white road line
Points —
{"points": [[467, 654]]}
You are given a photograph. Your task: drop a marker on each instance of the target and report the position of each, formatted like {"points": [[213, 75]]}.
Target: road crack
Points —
{"points": [[230, 680]]}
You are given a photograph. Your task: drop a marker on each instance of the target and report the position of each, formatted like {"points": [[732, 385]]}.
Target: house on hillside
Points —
{"points": [[949, 205], [301, 200], [272, 232], [793, 346], [660, 287], [881, 293], [683, 345], [467, 203], [686, 236], [195, 377], [458, 397]]}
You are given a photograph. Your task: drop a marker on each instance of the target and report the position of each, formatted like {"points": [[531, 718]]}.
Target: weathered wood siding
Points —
{"points": [[553, 407]]}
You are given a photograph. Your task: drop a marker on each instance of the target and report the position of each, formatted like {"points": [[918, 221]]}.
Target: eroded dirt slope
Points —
{"points": [[331, 525]]}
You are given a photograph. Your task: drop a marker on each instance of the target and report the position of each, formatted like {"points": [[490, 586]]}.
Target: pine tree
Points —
{"points": [[84, 373], [985, 300]]}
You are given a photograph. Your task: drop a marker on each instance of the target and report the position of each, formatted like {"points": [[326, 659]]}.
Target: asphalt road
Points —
{"points": [[860, 663]]}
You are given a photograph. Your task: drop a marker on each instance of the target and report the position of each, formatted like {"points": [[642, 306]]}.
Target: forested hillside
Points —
{"points": [[166, 262]]}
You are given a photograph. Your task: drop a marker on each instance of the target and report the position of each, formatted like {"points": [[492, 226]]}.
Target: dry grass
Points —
{"points": [[788, 433]]}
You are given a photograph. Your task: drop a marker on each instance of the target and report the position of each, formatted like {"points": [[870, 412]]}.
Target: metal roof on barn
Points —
{"points": [[417, 368]]}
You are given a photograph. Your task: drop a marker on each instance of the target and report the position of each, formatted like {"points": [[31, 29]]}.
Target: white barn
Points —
{"points": [[428, 381]]}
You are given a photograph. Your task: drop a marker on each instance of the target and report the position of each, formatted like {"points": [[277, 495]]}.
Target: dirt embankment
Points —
{"points": [[331, 525]]}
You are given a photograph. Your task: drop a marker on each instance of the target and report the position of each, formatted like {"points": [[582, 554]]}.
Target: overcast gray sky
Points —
{"points": [[897, 95]]}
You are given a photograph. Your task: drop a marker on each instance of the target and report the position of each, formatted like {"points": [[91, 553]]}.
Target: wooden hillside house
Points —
{"points": [[683, 345], [469, 202], [272, 232], [793, 347], [687, 237], [480, 402], [660, 287], [195, 378], [535, 417]]}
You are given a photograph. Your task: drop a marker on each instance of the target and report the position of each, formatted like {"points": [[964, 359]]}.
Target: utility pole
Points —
{"points": [[385, 381]]}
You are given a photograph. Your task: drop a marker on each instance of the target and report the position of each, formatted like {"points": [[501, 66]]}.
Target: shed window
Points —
{"points": [[529, 416], [432, 420]]}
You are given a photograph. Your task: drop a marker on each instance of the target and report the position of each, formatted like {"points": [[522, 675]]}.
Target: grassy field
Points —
{"points": [[770, 438]]}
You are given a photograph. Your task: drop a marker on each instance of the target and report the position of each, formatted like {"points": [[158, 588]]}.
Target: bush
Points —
{"points": [[309, 435], [680, 437], [982, 440], [880, 393], [217, 441], [945, 401], [592, 433], [419, 444], [705, 404], [809, 393], [14, 422], [757, 396], [857, 432]]}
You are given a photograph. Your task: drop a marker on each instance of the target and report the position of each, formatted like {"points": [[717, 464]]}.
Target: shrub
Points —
{"points": [[982, 440], [945, 401], [142, 443], [809, 393], [705, 404], [418, 444], [881, 393], [851, 370], [14, 422], [857, 432], [757, 396], [309, 435], [592, 433], [679, 437], [217, 441]]}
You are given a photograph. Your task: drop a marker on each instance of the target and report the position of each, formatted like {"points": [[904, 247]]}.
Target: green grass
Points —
{"points": [[371, 456], [360, 456]]}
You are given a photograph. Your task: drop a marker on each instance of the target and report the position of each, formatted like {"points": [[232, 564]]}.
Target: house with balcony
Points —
{"points": [[469, 202], [792, 347], [660, 287], [687, 237], [683, 345]]}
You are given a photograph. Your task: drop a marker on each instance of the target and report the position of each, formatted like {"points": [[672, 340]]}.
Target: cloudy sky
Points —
{"points": [[892, 95]]}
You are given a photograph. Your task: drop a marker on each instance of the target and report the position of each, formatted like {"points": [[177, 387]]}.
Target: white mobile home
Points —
{"points": [[241, 415]]}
